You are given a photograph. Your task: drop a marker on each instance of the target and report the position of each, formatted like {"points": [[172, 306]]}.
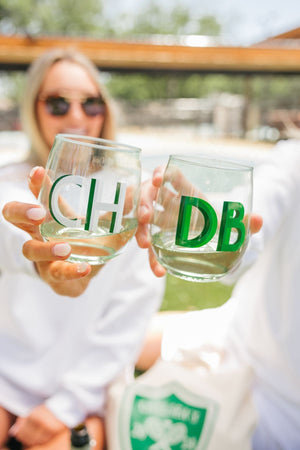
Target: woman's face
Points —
{"points": [[69, 80]]}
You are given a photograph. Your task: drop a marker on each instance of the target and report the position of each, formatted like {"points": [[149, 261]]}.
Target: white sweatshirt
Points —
{"points": [[266, 327], [60, 350], [262, 319]]}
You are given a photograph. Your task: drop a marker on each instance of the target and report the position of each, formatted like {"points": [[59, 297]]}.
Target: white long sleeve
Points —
{"points": [[14, 188], [260, 322], [61, 350], [112, 340], [275, 183], [265, 330]]}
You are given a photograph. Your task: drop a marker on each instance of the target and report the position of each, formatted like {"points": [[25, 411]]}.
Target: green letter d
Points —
{"points": [[184, 219]]}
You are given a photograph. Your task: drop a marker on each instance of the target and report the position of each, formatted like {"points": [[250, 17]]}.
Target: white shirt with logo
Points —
{"points": [[262, 318], [60, 350]]}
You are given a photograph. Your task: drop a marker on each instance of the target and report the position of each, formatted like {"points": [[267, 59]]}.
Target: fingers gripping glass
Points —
{"points": [[58, 105]]}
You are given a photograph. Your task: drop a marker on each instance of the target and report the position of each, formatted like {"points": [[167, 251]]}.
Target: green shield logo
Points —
{"points": [[165, 418]]}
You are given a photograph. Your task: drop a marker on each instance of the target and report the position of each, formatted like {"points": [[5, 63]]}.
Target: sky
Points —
{"points": [[244, 21]]}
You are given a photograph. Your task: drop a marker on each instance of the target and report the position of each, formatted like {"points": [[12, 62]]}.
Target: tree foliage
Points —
{"points": [[154, 20], [177, 20], [88, 19], [64, 17]]}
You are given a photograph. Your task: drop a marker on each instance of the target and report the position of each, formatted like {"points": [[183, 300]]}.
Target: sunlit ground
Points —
{"points": [[156, 144]]}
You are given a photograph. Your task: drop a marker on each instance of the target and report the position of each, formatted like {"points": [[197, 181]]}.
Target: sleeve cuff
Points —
{"points": [[69, 409]]}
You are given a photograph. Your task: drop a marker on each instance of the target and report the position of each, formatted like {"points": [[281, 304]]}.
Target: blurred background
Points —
{"points": [[239, 111], [205, 104]]}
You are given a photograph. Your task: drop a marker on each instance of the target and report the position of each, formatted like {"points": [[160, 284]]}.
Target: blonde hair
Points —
{"points": [[36, 74]]}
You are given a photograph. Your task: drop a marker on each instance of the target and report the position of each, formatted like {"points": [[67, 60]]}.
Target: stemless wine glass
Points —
{"points": [[90, 192], [200, 226]]}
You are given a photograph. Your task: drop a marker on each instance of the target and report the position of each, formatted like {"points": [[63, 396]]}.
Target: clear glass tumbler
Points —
{"points": [[90, 192], [200, 227]]}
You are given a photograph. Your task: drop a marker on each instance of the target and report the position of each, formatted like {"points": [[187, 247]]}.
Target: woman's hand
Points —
{"points": [[145, 212], [65, 278], [37, 428]]}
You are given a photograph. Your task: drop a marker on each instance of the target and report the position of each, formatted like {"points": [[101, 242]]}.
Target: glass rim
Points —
{"points": [[97, 142], [211, 162]]}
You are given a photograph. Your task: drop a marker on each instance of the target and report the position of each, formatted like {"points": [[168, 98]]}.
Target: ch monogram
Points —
{"points": [[94, 187]]}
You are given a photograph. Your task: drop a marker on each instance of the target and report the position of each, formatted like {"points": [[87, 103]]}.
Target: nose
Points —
{"points": [[76, 113]]}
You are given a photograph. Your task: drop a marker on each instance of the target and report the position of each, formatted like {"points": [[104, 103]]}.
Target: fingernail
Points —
{"points": [[82, 267], [61, 249], [36, 213], [33, 170], [12, 430], [143, 210]]}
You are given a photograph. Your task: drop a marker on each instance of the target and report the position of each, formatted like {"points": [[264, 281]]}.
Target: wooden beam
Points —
{"points": [[289, 39], [17, 52], [291, 34]]}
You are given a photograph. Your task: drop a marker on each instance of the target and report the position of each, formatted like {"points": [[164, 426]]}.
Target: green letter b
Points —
{"points": [[232, 216]]}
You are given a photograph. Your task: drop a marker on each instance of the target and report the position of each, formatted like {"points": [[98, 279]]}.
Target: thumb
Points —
{"points": [[14, 428], [35, 180]]}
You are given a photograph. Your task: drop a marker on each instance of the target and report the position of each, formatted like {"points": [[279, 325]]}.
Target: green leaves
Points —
{"points": [[89, 18], [63, 17]]}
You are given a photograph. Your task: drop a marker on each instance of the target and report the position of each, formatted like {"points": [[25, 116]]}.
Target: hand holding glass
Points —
{"points": [[91, 192], [200, 227]]}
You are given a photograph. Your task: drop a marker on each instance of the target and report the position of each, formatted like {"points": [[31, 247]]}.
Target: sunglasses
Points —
{"points": [[58, 105]]}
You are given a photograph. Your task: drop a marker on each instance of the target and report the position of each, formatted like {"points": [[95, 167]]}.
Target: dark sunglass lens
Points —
{"points": [[57, 106], [93, 106]]}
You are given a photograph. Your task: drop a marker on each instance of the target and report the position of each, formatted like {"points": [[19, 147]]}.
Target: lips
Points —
{"points": [[79, 131]]}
